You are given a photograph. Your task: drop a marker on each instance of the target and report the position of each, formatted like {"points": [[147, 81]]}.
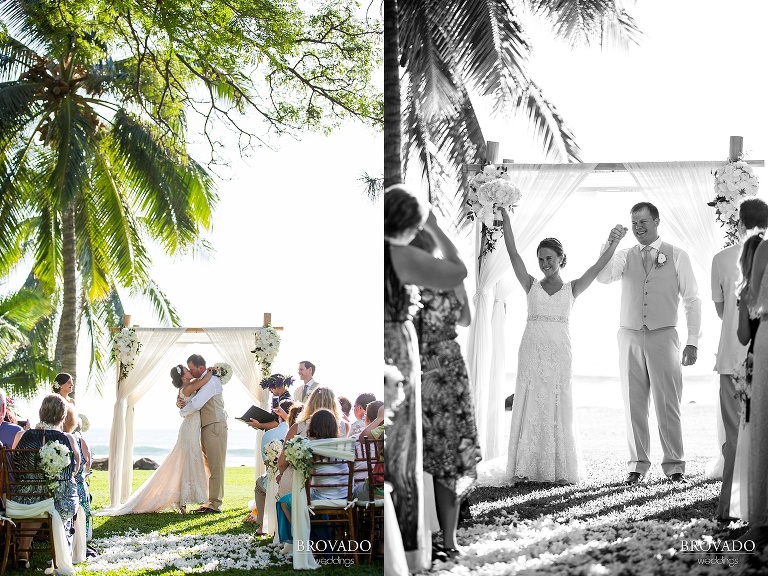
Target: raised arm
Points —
{"points": [[197, 383], [578, 286], [525, 279], [414, 266]]}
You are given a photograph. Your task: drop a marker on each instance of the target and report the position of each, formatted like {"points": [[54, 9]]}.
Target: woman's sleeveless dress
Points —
{"points": [[758, 414], [180, 480], [542, 441]]}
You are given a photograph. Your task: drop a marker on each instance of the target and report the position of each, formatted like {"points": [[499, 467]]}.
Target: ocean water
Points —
{"points": [[156, 443]]}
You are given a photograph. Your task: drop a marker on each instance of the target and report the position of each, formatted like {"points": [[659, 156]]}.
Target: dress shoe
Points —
{"points": [[677, 478], [90, 552], [633, 478]]}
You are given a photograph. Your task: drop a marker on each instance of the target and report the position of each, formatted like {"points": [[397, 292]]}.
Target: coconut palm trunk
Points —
{"points": [[393, 163], [66, 342]]}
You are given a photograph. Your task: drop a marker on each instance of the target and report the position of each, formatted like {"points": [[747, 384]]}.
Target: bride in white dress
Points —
{"points": [[542, 440], [182, 478]]}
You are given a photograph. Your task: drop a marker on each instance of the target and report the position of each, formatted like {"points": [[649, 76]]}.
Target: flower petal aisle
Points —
{"points": [[603, 527], [133, 552]]}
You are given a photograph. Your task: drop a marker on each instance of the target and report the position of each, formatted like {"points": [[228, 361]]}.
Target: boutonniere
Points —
{"points": [[660, 260]]}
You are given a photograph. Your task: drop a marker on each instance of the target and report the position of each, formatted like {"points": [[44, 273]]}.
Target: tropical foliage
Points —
{"points": [[95, 102], [453, 52]]}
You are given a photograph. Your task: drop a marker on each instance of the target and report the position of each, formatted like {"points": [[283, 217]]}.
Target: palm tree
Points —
{"points": [[453, 49], [88, 176], [24, 363]]}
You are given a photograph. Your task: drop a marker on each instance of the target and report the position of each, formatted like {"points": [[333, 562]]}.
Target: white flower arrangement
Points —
{"points": [[271, 455], [85, 424], [54, 457], [491, 189], [125, 350], [266, 346], [298, 453], [733, 183], [223, 371]]}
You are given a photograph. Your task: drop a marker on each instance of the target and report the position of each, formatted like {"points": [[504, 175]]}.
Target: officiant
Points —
{"points": [[278, 385]]}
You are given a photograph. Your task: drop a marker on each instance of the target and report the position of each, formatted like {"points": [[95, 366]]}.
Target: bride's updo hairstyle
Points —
{"points": [[555, 245], [323, 425], [403, 212], [176, 373]]}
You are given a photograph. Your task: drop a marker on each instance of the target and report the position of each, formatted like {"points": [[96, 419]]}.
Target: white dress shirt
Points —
{"points": [[687, 287], [208, 391]]}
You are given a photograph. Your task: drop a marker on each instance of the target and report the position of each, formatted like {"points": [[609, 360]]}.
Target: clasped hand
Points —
{"points": [[690, 354], [617, 233]]}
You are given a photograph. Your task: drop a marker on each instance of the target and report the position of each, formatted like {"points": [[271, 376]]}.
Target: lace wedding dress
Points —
{"points": [[180, 480], [542, 439]]}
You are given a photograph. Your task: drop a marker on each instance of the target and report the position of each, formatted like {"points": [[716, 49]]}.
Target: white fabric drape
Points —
{"points": [[681, 190], [36, 510], [545, 188], [147, 370], [342, 448]]}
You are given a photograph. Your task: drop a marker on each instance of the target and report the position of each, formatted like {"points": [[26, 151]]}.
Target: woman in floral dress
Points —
{"points": [[451, 449], [404, 268]]}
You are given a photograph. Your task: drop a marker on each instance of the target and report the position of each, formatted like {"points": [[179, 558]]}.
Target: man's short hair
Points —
{"points": [[196, 359], [309, 366], [3, 397], [372, 410], [364, 399], [753, 213], [651, 208]]}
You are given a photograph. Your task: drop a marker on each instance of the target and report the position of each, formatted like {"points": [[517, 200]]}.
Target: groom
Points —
{"points": [[653, 276], [213, 431]]}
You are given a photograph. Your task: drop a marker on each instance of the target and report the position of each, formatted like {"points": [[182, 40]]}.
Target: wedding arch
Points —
{"points": [[680, 189], [159, 350]]}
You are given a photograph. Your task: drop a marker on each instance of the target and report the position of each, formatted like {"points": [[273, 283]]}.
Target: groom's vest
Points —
{"points": [[650, 300], [213, 411]]}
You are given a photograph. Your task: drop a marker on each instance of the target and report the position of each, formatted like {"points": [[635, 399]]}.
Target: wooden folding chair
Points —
{"points": [[22, 478], [340, 513]]}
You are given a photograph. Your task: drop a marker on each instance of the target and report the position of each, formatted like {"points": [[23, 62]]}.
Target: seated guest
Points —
{"points": [[260, 490], [360, 406], [294, 412], [374, 421], [65, 498], [346, 408], [8, 429], [321, 398], [324, 424]]}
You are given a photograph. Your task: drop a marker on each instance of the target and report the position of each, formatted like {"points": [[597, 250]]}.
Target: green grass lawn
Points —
{"points": [[239, 490]]}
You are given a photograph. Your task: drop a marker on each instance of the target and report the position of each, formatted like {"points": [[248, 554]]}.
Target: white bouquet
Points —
{"points": [[271, 455], [125, 349], [85, 424], [742, 381], [54, 457], [298, 453], [266, 346], [491, 189], [223, 371], [733, 183]]}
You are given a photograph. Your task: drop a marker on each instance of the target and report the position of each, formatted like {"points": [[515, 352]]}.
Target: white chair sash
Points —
{"points": [[341, 448], [63, 555]]}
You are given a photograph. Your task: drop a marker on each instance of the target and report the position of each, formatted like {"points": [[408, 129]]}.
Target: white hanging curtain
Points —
{"points": [[681, 190], [545, 188], [150, 368]]}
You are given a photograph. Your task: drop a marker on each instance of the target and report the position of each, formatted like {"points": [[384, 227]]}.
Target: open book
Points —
{"points": [[256, 413]]}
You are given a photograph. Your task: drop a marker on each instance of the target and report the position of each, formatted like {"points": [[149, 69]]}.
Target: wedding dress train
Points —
{"points": [[180, 480]]}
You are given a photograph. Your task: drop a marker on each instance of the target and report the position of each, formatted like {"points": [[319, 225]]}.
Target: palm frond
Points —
{"points": [[580, 22], [373, 186], [165, 312], [25, 374]]}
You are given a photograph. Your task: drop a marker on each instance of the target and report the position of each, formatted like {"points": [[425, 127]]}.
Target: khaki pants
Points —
{"points": [[214, 440], [649, 361]]}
